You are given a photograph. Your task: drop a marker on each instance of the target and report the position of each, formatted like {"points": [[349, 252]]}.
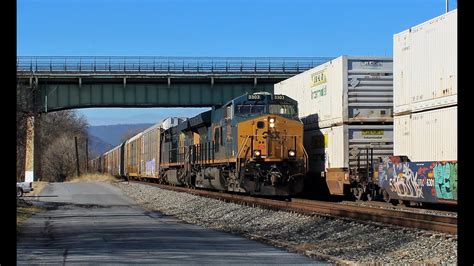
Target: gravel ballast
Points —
{"points": [[323, 237]]}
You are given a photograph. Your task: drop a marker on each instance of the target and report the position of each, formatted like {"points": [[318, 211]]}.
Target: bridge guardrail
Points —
{"points": [[159, 64]]}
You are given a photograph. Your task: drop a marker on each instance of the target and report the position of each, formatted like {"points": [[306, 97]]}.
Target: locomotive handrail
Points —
{"points": [[305, 157], [240, 151]]}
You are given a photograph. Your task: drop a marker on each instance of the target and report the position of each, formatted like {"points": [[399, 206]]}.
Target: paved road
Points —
{"points": [[95, 223]]}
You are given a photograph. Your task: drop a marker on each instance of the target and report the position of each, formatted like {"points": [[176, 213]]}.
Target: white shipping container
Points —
{"points": [[427, 136], [344, 90], [345, 145], [425, 65]]}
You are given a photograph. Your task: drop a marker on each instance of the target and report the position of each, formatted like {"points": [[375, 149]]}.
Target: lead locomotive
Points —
{"points": [[252, 144]]}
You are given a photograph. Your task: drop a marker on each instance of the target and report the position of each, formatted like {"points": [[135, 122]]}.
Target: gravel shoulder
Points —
{"points": [[327, 238]]}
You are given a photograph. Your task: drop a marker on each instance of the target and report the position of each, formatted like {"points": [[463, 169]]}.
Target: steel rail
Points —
{"points": [[425, 221]]}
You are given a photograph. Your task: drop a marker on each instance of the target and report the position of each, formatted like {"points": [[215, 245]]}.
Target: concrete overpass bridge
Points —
{"points": [[58, 83]]}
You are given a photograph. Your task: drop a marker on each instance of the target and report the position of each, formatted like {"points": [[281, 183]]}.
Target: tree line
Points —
{"points": [[54, 148], [54, 140]]}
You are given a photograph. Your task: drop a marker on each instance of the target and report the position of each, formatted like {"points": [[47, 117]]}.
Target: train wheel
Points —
{"points": [[386, 196], [369, 196], [358, 193]]}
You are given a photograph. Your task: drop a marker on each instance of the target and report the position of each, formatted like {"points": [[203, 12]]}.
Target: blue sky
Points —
{"points": [[212, 28]]}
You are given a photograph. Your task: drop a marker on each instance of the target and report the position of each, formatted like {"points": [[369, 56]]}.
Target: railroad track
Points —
{"points": [[425, 221]]}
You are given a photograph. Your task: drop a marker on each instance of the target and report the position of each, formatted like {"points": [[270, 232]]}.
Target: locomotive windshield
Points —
{"points": [[249, 109], [287, 110], [282, 109], [258, 104]]}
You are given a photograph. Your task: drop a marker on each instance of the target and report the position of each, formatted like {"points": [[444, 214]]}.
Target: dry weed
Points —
{"points": [[93, 177]]}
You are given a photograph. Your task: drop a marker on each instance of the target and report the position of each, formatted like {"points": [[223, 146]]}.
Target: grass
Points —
{"points": [[38, 186], [23, 211], [92, 177]]}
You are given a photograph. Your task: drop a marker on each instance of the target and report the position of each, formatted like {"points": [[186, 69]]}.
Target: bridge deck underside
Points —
{"points": [[55, 94], [144, 95]]}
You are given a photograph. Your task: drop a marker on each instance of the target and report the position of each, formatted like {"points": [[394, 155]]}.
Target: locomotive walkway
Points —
{"points": [[94, 223]]}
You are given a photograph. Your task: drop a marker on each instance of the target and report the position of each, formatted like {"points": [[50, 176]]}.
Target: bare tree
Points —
{"points": [[57, 132], [59, 159], [51, 129], [53, 134]]}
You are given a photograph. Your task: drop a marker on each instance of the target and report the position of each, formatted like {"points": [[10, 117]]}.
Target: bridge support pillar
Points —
{"points": [[38, 150], [29, 149]]}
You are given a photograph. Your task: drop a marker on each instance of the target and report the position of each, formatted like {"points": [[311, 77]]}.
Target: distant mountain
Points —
{"points": [[97, 146], [112, 134]]}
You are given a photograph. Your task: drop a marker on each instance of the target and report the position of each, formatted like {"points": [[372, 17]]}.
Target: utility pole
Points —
{"points": [[87, 155], [447, 6], [77, 157]]}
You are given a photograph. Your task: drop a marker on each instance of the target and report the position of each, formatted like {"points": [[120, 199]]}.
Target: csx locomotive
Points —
{"points": [[253, 144]]}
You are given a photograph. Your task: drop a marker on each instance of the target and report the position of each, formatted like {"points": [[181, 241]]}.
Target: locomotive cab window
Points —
{"points": [[228, 112], [248, 109], [282, 109]]}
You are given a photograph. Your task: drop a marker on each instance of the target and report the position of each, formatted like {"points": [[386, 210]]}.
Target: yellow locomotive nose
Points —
{"points": [[271, 138], [264, 128]]}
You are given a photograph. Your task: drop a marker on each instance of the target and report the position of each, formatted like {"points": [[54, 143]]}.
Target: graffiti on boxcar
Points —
{"points": [[424, 181], [150, 167], [446, 178], [404, 181]]}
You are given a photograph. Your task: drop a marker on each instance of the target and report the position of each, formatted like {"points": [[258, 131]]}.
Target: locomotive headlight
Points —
{"points": [[271, 122], [291, 153], [257, 153]]}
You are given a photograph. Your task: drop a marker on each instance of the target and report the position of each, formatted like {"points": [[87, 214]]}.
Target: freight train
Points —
{"points": [[253, 145], [356, 114]]}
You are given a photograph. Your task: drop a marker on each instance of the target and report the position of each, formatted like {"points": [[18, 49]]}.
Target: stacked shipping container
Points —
{"points": [[346, 105], [425, 90], [425, 114]]}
